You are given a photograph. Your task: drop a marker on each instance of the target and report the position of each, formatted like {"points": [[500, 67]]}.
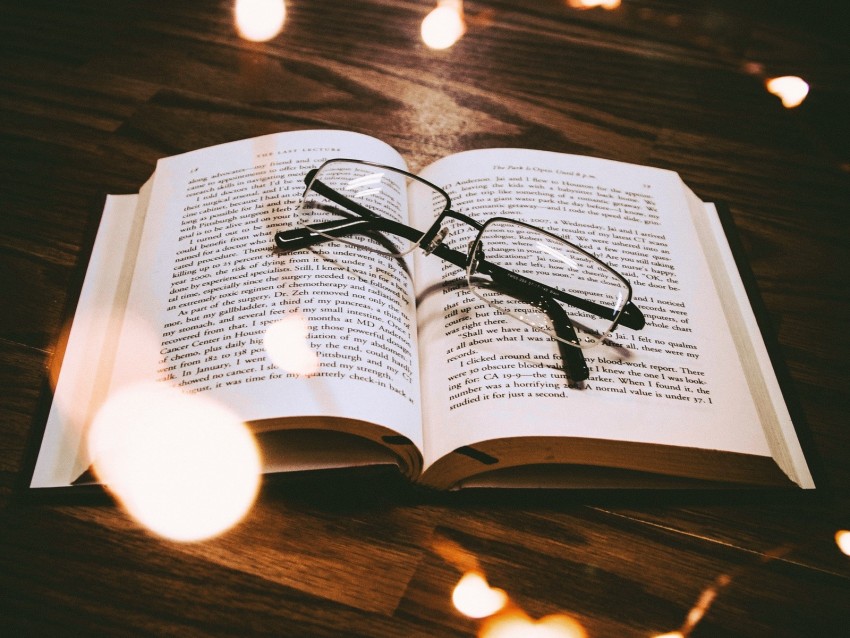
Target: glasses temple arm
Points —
{"points": [[300, 238], [573, 358], [574, 362]]}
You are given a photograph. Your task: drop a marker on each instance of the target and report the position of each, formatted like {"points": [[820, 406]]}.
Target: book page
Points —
{"points": [[764, 386], [267, 335], [677, 382], [79, 389]]}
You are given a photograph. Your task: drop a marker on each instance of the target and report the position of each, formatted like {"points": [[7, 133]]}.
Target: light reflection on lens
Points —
{"points": [[572, 264], [287, 345], [473, 596], [444, 25], [184, 467], [366, 180], [259, 20], [791, 89]]}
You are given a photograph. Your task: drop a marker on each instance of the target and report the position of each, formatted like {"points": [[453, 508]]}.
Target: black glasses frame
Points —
{"points": [[366, 221]]}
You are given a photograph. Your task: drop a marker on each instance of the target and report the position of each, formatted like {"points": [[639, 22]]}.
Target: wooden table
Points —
{"points": [[93, 93]]}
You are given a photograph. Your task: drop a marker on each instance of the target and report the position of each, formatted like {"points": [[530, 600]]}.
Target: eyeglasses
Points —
{"points": [[523, 271]]}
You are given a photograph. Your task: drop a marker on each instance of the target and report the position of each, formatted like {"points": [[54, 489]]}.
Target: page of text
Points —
{"points": [[677, 381], [328, 331]]}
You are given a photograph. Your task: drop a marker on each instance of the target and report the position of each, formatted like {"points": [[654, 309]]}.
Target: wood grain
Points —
{"points": [[92, 94]]}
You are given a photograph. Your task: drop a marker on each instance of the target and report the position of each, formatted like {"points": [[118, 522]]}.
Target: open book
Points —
{"points": [[185, 288]]}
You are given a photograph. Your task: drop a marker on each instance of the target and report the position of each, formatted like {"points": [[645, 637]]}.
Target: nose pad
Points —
{"points": [[436, 241], [474, 259]]}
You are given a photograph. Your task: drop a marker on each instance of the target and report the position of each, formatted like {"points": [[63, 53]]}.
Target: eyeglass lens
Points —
{"points": [[557, 266], [373, 190]]}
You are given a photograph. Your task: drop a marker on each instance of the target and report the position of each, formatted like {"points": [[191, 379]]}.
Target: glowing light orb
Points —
{"points": [[516, 624], [184, 467], [287, 345], [842, 539], [473, 597], [590, 4], [443, 27], [259, 20], [791, 89]]}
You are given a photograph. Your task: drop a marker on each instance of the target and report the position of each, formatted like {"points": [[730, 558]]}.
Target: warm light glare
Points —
{"points": [[516, 624], [842, 539], [259, 20], [183, 466], [288, 348], [698, 611], [790, 89], [443, 26], [474, 598], [590, 4], [99, 327]]}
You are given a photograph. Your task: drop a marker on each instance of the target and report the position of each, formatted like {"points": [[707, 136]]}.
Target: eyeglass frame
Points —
{"points": [[431, 240]]}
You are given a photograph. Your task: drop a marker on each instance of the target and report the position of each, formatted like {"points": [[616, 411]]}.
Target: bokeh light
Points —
{"points": [[473, 596], [516, 624], [259, 20], [842, 539], [287, 345], [590, 4], [443, 26], [791, 89], [184, 467], [96, 329]]}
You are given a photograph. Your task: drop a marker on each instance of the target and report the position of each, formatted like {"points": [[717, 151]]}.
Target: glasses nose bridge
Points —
{"points": [[435, 241], [474, 254]]}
